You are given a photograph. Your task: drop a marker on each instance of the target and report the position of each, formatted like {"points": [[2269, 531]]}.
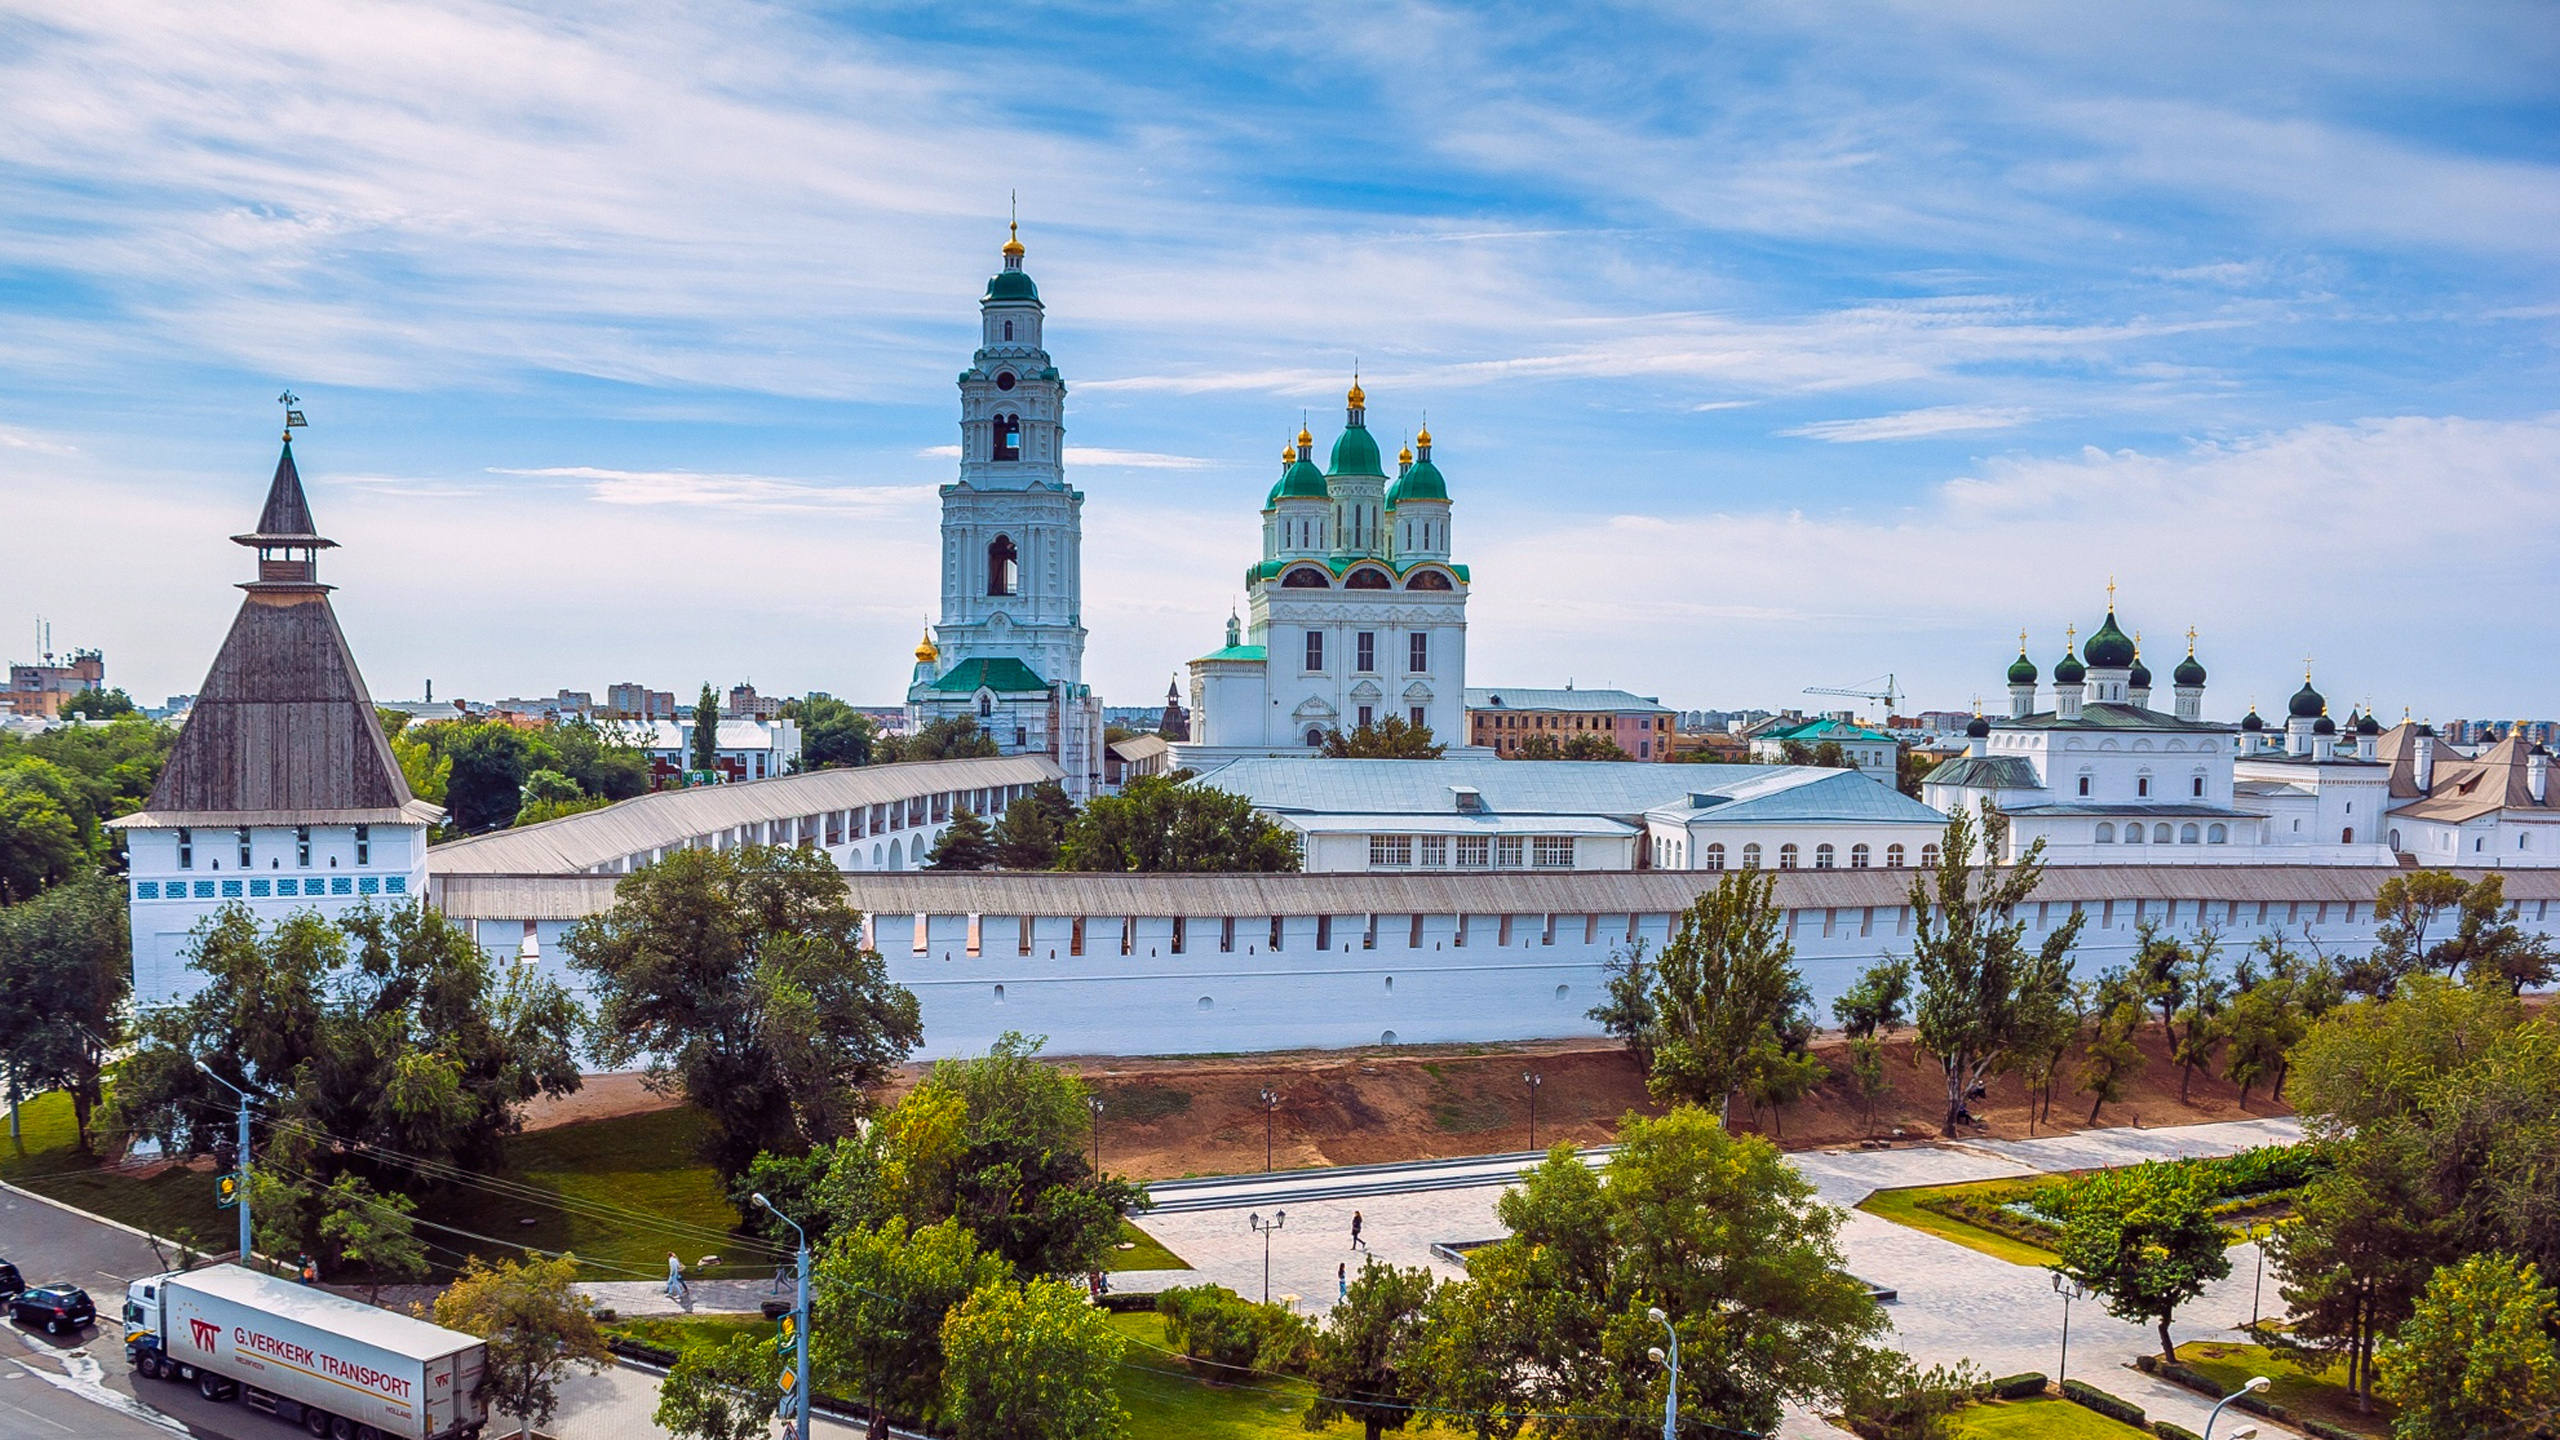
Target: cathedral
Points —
{"points": [[1357, 612], [1009, 651]]}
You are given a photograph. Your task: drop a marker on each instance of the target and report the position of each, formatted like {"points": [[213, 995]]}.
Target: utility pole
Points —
{"points": [[1095, 1102], [243, 1166], [799, 1388]]}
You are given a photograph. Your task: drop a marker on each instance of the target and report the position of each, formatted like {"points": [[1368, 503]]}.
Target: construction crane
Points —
{"points": [[1864, 690]]}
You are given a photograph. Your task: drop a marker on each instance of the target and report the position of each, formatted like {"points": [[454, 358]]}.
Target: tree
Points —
{"points": [[1900, 1401], [2145, 1239], [1776, 1077], [1878, 1001], [66, 968], [2112, 1057], [40, 841], [601, 761], [427, 769], [2490, 947], [1589, 745], [2366, 1234], [954, 737], [1388, 739], [1030, 1361], [705, 755], [1629, 1011], [1028, 836], [2405, 909], [537, 1327], [1867, 1079], [2476, 1356], [1366, 1366], [963, 845], [1911, 770], [724, 1390], [1830, 756], [1724, 983], [2260, 1028], [1969, 953], [1163, 823], [882, 1292], [833, 734], [484, 781], [99, 705], [2201, 1010], [742, 978], [1715, 1229], [373, 1231]]}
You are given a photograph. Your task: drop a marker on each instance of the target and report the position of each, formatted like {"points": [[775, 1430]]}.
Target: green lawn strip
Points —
{"points": [[1903, 1208], [647, 1189], [2040, 1419], [687, 1332], [1148, 1253], [2297, 1388], [177, 1203], [1166, 1403]]}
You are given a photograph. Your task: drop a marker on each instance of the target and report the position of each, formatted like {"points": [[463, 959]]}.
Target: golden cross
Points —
{"points": [[2191, 640], [2111, 594]]}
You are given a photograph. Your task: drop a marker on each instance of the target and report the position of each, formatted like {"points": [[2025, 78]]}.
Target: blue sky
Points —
{"points": [[1765, 346]]}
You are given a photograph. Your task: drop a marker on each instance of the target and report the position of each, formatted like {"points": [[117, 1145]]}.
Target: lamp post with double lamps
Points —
{"points": [[1094, 1102], [1265, 1228], [243, 1167], [1270, 1104], [799, 1323], [1671, 1392], [2256, 1383], [2070, 1290], [1533, 1080]]}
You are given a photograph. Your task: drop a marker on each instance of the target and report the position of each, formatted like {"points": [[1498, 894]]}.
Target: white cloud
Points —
{"points": [[1913, 424], [731, 492]]}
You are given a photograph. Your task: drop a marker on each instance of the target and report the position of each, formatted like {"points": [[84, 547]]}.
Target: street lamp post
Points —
{"points": [[1270, 1104], [1095, 1103], [799, 1322], [2258, 1237], [1264, 1228], [1533, 1080], [2070, 1290], [244, 1158], [2256, 1383], [1671, 1392]]}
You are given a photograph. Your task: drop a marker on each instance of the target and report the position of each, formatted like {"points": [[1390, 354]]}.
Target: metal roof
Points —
{"points": [[2107, 715], [671, 817], [1287, 785], [1456, 824], [1801, 794], [1585, 892], [1989, 772], [1521, 697]]}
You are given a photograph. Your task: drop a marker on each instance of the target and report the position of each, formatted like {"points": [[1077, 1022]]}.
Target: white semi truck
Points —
{"points": [[337, 1367]]}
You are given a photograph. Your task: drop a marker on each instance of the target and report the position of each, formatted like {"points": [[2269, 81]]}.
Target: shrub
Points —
{"points": [[2326, 1431], [2081, 1392], [2167, 1431], [1228, 1335], [2014, 1387]]}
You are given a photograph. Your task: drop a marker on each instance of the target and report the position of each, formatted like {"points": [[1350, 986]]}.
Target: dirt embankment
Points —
{"points": [[1203, 1115]]}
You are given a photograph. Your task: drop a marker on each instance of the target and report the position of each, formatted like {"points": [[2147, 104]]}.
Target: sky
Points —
{"points": [[1764, 346]]}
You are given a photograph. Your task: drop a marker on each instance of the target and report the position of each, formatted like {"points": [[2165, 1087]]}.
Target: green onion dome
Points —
{"points": [[2110, 648], [2022, 671], [1011, 285], [1977, 728], [2368, 725], [2306, 702], [2188, 671], [2141, 679], [1356, 453], [2324, 726], [2068, 670], [2251, 723], [1299, 478], [1420, 480]]}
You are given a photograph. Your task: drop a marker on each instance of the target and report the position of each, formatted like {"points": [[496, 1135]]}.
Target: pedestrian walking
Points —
{"points": [[677, 1289], [310, 1271], [1342, 1281], [1355, 1230]]}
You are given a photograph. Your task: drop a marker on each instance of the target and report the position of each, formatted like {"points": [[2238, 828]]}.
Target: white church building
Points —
{"points": [[1009, 650]]}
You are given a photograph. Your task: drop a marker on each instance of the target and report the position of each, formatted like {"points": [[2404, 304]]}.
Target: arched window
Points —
{"points": [[1315, 737], [1004, 572], [1305, 577], [2216, 835], [1751, 856], [2106, 833], [1823, 855], [1787, 856], [2347, 836], [1858, 856], [2187, 834], [1008, 329], [1893, 856], [2159, 834], [1008, 437], [1928, 857], [986, 705], [1365, 578], [2133, 834], [1715, 856], [2084, 783], [1428, 580], [2395, 839]]}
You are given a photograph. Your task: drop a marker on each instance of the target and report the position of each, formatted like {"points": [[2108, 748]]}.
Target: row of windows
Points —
{"points": [[1364, 652], [1471, 852], [1466, 930], [1311, 577], [1826, 856], [2142, 785], [1531, 720], [2187, 834], [261, 888], [836, 827], [301, 848]]}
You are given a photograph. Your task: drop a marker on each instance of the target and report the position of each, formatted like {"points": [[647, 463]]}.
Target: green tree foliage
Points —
{"points": [[486, 765], [2112, 1057], [955, 737], [1161, 823], [1227, 1337], [490, 774], [996, 1143], [1867, 1078], [41, 843], [2145, 1239], [602, 761], [705, 754], [881, 1294], [2476, 1356], [963, 845], [1367, 1364], [742, 977], [1794, 752], [1829, 756], [363, 1227], [1897, 1400], [1629, 1012], [1030, 1361], [727, 1390], [1911, 770], [426, 768], [537, 1327], [66, 967], [1881, 999], [389, 1028], [2364, 1238], [1033, 827], [1388, 739], [2490, 946], [1979, 984], [1715, 1229], [58, 790], [1725, 993], [100, 705], [2204, 1000], [1588, 745], [833, 735]]}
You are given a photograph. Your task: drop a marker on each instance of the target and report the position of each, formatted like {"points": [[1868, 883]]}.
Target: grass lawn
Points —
{"points": [[684, 1332], [1149, 1253], [635, 1189], [1165, 1403], [176, 1203], [2042, 1419], [2300, 1390], [1903, 1208]]}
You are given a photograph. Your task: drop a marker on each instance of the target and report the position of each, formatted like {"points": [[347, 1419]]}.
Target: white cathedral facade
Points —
{"points": [[1009, 651], [1357, 613]]}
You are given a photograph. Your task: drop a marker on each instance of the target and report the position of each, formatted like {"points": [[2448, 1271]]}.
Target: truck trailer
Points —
{"points": [[336, 1367]]}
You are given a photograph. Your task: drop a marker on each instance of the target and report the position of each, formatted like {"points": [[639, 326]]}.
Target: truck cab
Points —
{"points": [[144, 1349]]}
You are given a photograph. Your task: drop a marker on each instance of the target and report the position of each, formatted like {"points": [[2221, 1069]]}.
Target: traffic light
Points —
{"points": [[787, 1339], [226, 1190]]}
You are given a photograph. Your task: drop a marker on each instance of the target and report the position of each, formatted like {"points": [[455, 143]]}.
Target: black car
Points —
{"points": [[56, 1307], [10, 1281]]}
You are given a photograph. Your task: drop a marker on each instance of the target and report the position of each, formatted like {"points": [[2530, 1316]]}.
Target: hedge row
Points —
{"points": [[2204, 1384], [2014, 1387], [2167, 1431], [2080, 1392]]}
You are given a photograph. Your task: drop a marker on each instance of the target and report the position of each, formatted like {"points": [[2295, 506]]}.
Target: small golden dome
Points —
{"points": [[1423, 438], [1013, 246], [1405, 456], [1357, 397], [926, 651], [1288, 454], [1304, 439]]}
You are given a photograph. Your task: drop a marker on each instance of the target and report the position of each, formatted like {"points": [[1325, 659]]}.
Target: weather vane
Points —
{"points": [[292, 418]]}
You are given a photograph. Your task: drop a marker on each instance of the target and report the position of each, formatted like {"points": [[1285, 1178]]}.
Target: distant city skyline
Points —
{"points": [[1768, 349]]}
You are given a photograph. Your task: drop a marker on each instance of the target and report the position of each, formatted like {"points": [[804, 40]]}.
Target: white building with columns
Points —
{"points": [[1009, 650], [1357, 612]]}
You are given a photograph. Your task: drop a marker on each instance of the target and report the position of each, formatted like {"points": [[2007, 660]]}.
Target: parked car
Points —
{"points": [[56, 1307], [10, 1281]]}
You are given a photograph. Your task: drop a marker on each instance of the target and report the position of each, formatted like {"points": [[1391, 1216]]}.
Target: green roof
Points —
{"points": [[1301, 481], [1422, 482], [1356, 453], [2068, 670], [2022, 671], [1340, 565], [2189, 672], [1237, 652], [1816, 731], [2110, 647], [2306, 702], [1011, 285], [1005, 676]]}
